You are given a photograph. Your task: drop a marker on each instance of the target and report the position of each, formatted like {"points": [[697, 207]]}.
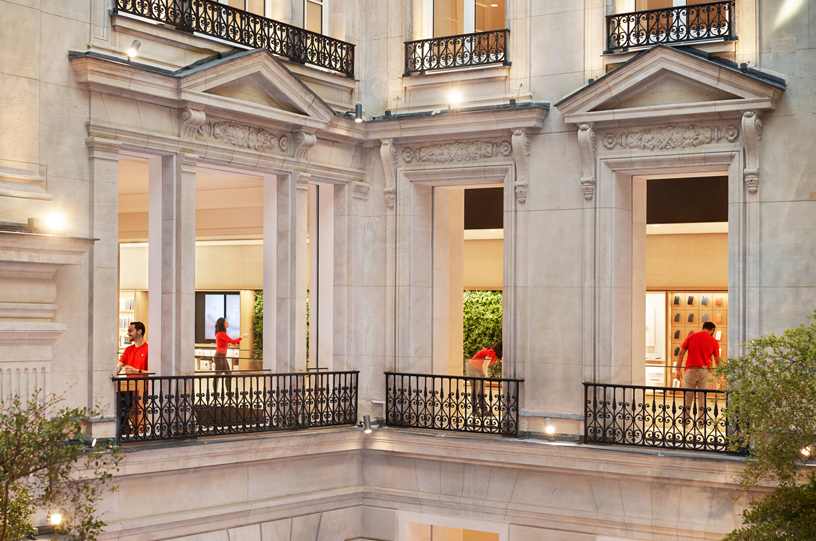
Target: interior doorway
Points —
{"points": [[468, 275], [680, 232]]}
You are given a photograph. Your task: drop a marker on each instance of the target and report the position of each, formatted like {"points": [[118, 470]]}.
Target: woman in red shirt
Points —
{"points": [[222, 342], [477, 368]]}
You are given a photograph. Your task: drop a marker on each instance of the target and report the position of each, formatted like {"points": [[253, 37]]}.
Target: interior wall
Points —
{"points": [[694, 261], [483, 261]]}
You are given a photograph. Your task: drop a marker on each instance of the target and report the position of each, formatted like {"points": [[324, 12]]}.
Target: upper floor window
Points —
{"points": [[252, 6], [454, 17], [316, 16], [643, 5]]}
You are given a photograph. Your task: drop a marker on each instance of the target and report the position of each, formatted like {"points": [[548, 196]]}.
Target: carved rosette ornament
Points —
{"points": [[463, 151], [751, 136], [587, 143], [521, 151], [388, 157], [303, 143]]}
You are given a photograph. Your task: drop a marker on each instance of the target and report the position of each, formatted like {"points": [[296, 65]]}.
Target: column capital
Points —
{"points": [[101, 148]]}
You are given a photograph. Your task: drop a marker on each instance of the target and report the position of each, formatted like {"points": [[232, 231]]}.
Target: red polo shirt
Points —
{"points": [[701, 346], [135, 357]]}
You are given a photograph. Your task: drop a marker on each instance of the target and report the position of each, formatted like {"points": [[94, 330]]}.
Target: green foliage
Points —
{"points": [[773, 400], [482, 324], [786, 514], [44, 465], [257, 325]]}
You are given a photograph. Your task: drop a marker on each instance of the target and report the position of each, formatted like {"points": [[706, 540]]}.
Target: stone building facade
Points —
{"points": [[568, 122]]}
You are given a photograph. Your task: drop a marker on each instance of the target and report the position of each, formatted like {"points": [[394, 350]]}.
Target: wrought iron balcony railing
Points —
{"points": [[660, 417], [455, 403], [681, 24], [463, 51], [210, 18], [172, 407]]}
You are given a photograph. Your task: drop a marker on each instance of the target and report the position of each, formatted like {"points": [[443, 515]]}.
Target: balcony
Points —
{"points": [[452, 403], [209, 18], [451, 52], [658, 417], [671, 26], [155, 408]]}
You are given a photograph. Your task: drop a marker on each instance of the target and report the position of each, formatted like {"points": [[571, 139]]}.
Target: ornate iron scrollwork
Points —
{"points": [[462, 51], [238, 26], [679, 24]]}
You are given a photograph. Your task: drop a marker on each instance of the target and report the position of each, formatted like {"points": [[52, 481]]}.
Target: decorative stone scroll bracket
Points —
{"points": [[588, 144], [388, 157], [521, 151], [191, 122], [751, 136], [304, 142]]}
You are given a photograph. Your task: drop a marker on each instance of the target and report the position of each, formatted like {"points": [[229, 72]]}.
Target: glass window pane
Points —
{"points": [[233, 315], [314, 17], [213, 309], [489, 15], [653, 4], [449, 17], [256, 7]]}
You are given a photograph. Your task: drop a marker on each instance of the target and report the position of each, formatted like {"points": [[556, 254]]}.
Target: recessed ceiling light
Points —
{"points": [[494, 5]]}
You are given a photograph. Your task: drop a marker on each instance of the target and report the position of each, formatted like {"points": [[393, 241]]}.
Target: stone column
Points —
{"points": [[270, 268], [321, 275], [292, 268], [103, 270], [171, 275]]}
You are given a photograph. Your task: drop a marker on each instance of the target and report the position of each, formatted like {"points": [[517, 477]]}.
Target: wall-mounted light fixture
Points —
{"points": [[133, 50], [358, 113], [549, 429], [366, 424], [54, 223], [455, 99]]}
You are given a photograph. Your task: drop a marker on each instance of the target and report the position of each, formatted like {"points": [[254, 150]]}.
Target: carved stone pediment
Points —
{"points": [[671, 84], [257, 78]]}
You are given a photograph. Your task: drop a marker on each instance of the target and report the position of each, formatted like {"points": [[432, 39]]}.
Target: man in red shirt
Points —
{"points": [[134, 358], [131, 393], [701, 347]]}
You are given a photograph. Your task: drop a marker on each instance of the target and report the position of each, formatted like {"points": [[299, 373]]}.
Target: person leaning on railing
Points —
{"points": [[222, 342], [701, 347], [133, 363], [477, 368]]}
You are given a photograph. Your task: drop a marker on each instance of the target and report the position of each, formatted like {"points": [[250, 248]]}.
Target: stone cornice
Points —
{"points": [[31, 248], [110, 76], [487, 122]]}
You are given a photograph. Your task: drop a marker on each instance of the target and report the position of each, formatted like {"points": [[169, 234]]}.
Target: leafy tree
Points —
{"points": [[786, 514], [482, 324], [46, 463], [773, 401]]}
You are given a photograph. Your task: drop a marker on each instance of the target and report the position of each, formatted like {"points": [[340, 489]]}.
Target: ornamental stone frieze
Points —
{"points": [[670, 137], [194, 124], [464, 151]]}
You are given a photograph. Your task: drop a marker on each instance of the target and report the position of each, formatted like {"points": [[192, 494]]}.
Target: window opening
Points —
{"points": [[316, 16]]}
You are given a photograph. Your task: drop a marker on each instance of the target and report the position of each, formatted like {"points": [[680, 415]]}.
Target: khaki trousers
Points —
{"points": [[696, 378]]}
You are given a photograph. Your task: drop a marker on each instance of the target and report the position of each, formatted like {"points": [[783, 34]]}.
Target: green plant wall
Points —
{"points": [[482, 324]]}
